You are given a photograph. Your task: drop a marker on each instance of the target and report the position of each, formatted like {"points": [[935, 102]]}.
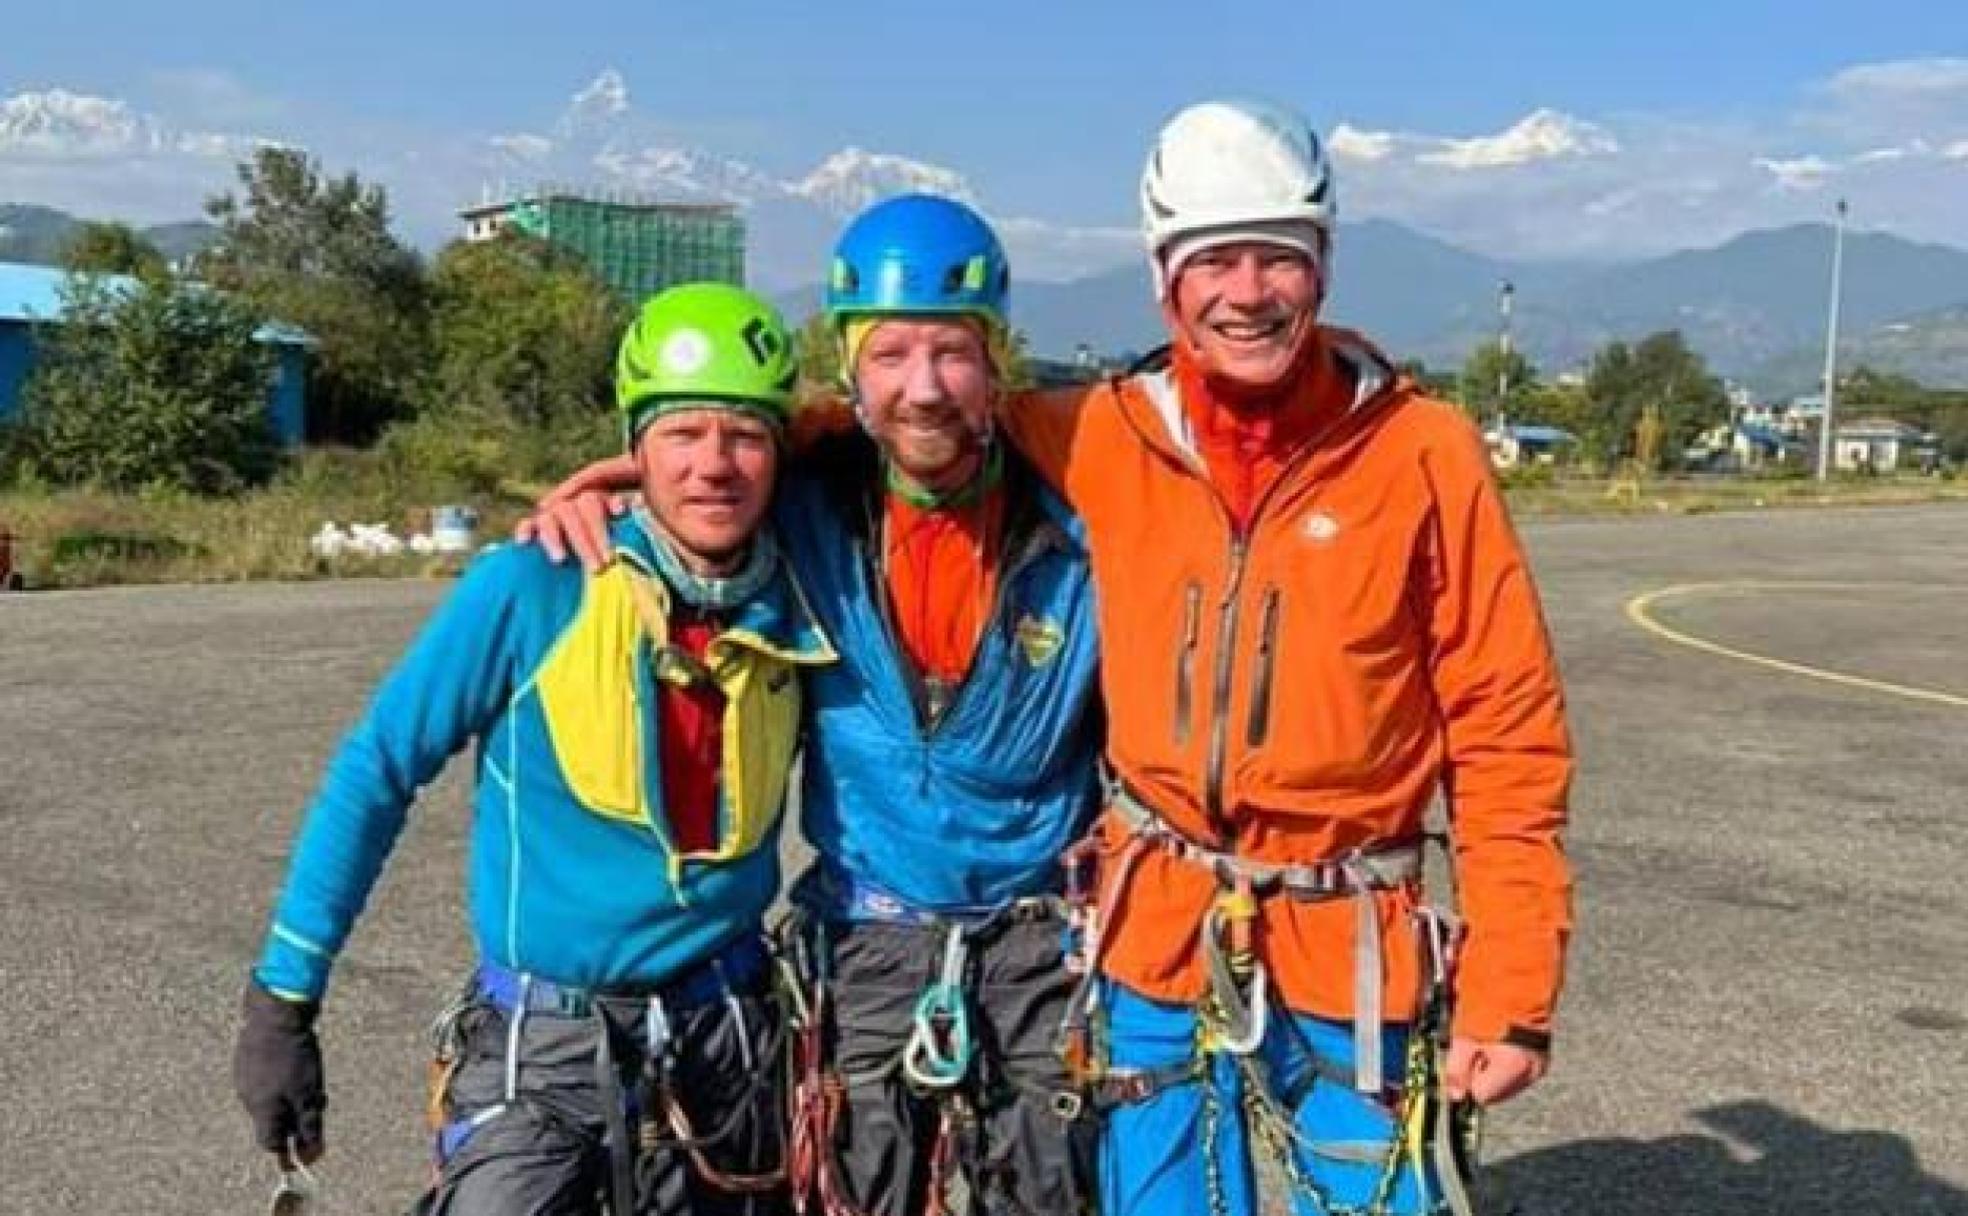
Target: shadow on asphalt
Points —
{"points": [[1763, 1161]]}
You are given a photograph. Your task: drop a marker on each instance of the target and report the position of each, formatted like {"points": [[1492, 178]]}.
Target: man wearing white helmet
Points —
{"points": [[1318, 618]]}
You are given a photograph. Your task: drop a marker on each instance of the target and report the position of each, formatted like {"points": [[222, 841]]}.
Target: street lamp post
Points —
{"points": [[1505, 294], [1831, 346]]}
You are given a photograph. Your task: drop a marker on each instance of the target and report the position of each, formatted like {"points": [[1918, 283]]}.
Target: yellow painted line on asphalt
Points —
{"points": [[1639, 611]]}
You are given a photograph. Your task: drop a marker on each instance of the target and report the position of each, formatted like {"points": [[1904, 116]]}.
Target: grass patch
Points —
{"points": [[82, 538], [1705, 495], [86, 538]]}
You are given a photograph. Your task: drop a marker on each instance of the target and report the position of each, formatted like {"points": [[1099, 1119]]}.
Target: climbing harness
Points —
{"points": [[651, 1102], [938, 1061], [1239, 1009]]}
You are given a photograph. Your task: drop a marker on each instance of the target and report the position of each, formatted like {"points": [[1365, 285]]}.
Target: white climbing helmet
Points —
{"points": [[1224, 171]]}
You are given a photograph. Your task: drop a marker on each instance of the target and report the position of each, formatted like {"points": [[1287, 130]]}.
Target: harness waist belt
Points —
{"points": [[1357, 875], [839, 898], [733, 966], [1383, 867]]}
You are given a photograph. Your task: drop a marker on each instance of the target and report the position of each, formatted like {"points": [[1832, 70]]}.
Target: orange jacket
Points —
{"points": [[1306, 688]]}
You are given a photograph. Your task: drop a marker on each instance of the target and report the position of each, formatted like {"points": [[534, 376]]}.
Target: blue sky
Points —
{"points": [[1662, 125]]}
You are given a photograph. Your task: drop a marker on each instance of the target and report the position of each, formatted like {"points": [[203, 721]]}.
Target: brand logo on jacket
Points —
{"points": [[1321, 528], [1038, 638]]}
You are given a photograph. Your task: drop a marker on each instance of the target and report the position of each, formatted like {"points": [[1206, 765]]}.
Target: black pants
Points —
{"points": [[547, 1152], [1025, 1153]]}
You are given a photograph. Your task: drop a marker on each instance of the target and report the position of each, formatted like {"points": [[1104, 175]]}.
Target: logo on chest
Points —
{"points": [[1038, 639], [1320, 527]]}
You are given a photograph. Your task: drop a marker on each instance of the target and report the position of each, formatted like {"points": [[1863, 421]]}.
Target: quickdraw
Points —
{"points": [[938, 1053]]}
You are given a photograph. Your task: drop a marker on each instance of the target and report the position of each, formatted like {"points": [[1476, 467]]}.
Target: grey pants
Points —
{"points": [[1022, 1153], [546, 1151]]}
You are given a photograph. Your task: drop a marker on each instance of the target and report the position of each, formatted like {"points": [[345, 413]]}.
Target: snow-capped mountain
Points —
{"points": [[686, 174], [852, 178], [595, 108], [59, 123]]}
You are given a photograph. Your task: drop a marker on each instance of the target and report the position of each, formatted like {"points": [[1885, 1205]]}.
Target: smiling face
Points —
{"points": [[1246, 309], [707, 474], [925, 388]]}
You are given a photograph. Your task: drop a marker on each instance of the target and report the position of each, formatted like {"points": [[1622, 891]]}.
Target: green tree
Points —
{"points": [[1662, 372], [819, 357], [1009, 351], [1569, 408], [156, 383], [112, 248], [1435, 384], [520, 326], [317, 252], [521, 385], [1496, 380]]}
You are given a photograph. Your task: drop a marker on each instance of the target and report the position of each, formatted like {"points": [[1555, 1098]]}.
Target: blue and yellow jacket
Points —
{"points": [[573, 874], [971, 810]]}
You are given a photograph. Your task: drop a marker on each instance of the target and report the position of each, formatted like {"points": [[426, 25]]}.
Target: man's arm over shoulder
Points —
{"points": [[1048, 425], [1509, 750], [449, 686]]}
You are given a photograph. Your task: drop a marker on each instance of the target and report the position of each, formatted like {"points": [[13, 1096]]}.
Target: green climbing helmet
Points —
{"points": [[701, 344]]}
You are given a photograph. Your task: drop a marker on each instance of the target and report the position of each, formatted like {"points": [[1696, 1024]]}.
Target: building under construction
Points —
{"points": [[638, 247]]}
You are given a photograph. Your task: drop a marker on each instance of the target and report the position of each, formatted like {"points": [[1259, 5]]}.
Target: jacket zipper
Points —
{"points": [[1185, 661], [1267, 638], [1226, 636]]}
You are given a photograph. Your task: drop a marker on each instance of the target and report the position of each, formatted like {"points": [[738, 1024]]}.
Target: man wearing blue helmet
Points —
{"points": [[952, 760], [950, 754]]}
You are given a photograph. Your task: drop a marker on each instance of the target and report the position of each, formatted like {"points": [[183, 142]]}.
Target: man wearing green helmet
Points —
{"points": [[949, 754], [634, 729]]}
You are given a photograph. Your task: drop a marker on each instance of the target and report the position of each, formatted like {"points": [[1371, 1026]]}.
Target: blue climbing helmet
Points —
{"points": [[918, 253]]}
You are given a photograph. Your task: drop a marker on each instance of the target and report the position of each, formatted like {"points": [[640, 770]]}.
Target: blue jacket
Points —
{"points": [[573, 874], [974, 810]]}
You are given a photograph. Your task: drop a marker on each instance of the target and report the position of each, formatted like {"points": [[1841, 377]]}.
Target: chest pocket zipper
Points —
{"points": [[1267, 645], [1185, 660]]}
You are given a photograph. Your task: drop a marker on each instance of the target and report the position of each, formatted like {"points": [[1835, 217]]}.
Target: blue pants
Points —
{"points": [[1153, 1154]]}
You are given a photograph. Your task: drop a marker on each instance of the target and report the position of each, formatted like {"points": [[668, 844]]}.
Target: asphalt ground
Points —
{"points": [[1768, 1004]]}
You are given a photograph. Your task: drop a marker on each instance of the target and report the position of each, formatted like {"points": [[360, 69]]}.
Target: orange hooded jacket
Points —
{"points": [[1306, 685]]}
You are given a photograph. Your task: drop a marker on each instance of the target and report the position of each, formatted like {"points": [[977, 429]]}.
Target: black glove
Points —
{"points": [[276, 1071]]}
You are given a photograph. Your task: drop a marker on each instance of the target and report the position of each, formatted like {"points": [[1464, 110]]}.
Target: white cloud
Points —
{"points": [[1904, 78], [1540, 135], [1044, 250], [1797, 173], [523, 147], [1874, 156], [1351, 143]]}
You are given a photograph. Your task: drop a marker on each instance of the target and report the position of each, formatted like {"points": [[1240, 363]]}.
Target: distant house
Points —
{"points": [[1755, 444], [1879, 445], [32, 295], [1522, 444]]}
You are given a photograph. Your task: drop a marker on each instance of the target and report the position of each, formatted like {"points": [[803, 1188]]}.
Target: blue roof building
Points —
{"points": [[32, 295]]}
